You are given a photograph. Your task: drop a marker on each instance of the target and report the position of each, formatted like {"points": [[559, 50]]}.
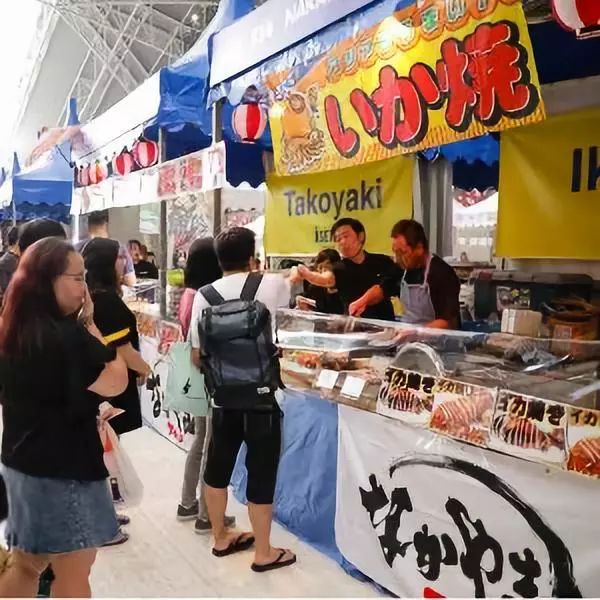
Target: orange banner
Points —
{"points": [[426, 76]]}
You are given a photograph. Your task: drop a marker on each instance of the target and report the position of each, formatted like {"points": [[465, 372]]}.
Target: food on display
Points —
{"points": [[504, 393]]}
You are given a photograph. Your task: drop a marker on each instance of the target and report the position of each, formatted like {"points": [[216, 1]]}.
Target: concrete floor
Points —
{"points": [[166, 558]]}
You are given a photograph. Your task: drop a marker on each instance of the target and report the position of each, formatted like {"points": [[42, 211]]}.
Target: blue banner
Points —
{"points": [[270, 29]]}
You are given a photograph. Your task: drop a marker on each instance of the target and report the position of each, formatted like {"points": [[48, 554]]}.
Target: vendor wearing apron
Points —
{"points": [[427, 286]]}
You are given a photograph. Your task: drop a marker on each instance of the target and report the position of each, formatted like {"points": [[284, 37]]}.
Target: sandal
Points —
{"points": [[239, 544], [278, 563]]}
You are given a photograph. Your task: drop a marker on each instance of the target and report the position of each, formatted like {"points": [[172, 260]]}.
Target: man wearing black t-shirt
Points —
{"points": [[427, 286], [357, 272]]}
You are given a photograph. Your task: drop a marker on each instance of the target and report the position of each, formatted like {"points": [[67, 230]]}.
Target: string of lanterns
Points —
{"points": [[143, 154]]}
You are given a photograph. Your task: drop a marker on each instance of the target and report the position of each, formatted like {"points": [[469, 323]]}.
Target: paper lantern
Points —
{"points": [[145, 153], [98, 172], [581, 16], [249, 121], [123, 164]]}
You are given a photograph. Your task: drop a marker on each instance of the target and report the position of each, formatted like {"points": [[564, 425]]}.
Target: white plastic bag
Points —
{"points": [[119, 467]]}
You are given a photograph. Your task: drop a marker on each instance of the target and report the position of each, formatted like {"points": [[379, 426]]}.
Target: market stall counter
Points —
{"points": [[442, 465]]}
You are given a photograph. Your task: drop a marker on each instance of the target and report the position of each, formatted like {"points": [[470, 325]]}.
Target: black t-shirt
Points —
{"points": [[353, 280], [49, 415], [444, 287], [327, 302], [118, 326]]}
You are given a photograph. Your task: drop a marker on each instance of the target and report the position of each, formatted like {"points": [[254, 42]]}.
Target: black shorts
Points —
{"points": [[262, 433]]}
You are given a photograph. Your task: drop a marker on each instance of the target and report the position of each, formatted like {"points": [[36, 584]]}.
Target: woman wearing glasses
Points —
{"points": [[54, 369]]}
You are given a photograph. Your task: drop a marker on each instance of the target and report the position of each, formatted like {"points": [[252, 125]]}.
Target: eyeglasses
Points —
{"points": [[79, 277]]}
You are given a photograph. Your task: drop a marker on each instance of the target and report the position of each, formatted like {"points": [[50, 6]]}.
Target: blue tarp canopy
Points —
{"points": [[45, 188]]}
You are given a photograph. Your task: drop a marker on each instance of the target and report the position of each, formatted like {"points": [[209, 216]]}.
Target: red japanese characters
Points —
{"points": [[481, 79]]}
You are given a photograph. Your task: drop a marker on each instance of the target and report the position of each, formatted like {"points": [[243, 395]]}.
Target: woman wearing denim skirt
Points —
{"points": [[54, 372]]}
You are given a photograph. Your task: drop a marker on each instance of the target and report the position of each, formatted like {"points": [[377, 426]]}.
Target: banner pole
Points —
{"points": [[164, 240]]}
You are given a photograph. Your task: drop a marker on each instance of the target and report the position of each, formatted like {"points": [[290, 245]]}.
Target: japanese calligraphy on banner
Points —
{"points": [[430, 517], [156, 338], [433, 73], [558, 189], [180, 176], [301, 210]]}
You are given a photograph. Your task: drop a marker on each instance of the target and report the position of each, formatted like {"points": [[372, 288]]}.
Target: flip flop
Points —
{"points": [[279, 563], [237, 545]]}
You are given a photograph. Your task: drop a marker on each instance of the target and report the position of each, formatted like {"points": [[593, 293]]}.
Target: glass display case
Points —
{"points": [[537, 399]]}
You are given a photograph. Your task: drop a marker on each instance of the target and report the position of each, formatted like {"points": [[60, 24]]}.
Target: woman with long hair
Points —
{"points": [[54, 372], [104, 266], [202, 268]]}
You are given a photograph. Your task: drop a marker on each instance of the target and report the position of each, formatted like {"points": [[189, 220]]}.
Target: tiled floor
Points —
{"points": [[166, 558]]}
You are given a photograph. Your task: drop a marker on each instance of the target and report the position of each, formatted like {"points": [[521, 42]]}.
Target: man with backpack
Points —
{"points": [[232, 333]]}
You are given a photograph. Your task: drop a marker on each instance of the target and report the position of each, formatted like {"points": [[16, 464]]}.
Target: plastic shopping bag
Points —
{"points": [[185, 392], [120, 468]]}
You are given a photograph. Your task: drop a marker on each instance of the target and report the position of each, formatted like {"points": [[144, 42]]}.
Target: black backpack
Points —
{"points": [[239, 359]]}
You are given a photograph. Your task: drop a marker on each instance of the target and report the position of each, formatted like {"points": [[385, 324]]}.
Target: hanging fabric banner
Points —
{"points": [[428, 517], [432, 73], [550, 174], [301, 210]]}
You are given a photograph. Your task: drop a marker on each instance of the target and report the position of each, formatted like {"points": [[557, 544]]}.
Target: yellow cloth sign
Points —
{"points": [[301, 210], [433, 73], [549, 197]]}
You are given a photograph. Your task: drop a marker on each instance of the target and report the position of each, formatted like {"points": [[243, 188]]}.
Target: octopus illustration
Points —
{"points": [[302, 142]]}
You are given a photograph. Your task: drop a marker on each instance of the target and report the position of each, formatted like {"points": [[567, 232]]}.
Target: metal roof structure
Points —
{"points": [[98, 51]]}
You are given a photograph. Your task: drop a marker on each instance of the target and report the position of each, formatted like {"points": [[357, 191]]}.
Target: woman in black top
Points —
{"points": [[54, 369], [117, 325]]}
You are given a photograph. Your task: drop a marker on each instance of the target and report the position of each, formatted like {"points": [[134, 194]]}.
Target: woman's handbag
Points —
{"points": [[185, 391]]}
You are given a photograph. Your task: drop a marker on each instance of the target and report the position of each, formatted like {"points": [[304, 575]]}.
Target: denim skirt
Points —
{"points": [[56, 516]]}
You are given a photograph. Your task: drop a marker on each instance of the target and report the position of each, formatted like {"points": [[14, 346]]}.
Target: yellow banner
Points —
{"points": [[549, 197], [421, 78], [301, 210]]}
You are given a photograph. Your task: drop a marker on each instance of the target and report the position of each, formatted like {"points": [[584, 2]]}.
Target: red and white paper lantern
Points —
{"points": [[145, 153], [581, 16], [123, 164], [249, 121], [98, 172]]}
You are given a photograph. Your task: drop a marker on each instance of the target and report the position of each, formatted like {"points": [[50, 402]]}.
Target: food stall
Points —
{"points": [[405, 462]]}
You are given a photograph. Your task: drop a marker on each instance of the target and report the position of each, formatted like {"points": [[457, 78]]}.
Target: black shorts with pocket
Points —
{"points": [[261, 431]]}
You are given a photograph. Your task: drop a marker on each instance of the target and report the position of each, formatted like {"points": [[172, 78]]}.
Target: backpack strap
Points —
{"points": [[211, 295], [251, 286]]}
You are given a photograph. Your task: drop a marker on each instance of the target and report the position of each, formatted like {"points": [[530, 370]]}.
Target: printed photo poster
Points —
{"points": [[406, 396], [189, 218], [429, 74], [430, 517], [530, 428], [176, 427], [583, 441], [463, 411]]}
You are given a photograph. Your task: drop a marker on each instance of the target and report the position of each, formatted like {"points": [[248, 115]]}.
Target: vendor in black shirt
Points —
{"points": [[427, 286], [357, 272]]}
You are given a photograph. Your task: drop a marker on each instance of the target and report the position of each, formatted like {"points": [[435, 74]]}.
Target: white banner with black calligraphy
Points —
{"points": [[426, 516]]}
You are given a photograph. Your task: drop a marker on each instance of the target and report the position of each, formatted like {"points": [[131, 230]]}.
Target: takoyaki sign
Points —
{"points": [[432, 73], [426, 516]]}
